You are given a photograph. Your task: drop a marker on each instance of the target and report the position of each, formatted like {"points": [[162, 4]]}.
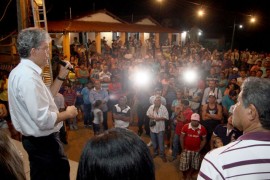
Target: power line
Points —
{"points": [[5, 10]]}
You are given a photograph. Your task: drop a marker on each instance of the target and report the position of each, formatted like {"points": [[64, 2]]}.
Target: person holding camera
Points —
{"points": [[158, 114]]}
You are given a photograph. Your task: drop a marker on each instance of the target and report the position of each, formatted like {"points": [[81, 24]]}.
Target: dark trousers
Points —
{"points": [[63, 133], [105, 123], [168, 126], [96, 128], [210, 126], [46, 157], [143, 119], [87, 112]]}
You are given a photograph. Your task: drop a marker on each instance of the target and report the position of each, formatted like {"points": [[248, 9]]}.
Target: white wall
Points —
{"points": [[183, 37], [91, 36], [108, 36], [72, 35], [146, 36]]}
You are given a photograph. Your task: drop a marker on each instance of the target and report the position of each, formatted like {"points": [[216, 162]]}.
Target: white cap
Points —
{"points": [[195, 117], [235, 69]]}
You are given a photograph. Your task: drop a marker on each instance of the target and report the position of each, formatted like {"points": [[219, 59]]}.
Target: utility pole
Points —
{"points": [[233, 34]]}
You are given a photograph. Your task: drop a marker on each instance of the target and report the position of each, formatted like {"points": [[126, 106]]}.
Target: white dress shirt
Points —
{"points": [[59, 101], [32, 108], [162, 113]]}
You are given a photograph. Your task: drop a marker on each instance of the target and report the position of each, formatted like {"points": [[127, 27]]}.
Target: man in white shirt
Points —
{"points": [[242, 77], [158, 114], [33, 111], [212, 88], [121, 113], [158, 92]]}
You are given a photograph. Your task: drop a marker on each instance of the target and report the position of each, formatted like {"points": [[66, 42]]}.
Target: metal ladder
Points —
{"points": [[40, 20]]}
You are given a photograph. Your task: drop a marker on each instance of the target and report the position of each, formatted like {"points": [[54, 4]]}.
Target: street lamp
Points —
{"points": [[252, 21], [200, 12], [233, 33]]}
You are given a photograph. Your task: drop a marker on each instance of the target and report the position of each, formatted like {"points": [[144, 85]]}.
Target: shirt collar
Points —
{"points": [[32, 65], [190, 127], [259, 136], [97, 90]]}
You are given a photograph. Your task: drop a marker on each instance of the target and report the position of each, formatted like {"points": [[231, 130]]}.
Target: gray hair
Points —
{"points": [[256, 91], [31, 38], [158, 97]]}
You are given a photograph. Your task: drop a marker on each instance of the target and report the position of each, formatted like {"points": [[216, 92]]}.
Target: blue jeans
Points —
{"points": [[158, 142], [72, 121], [176, 145], [87, 114]]}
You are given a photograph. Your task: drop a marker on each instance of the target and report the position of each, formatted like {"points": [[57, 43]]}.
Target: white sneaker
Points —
{"points": [[149, 144], [71, 127], [75, 127]]}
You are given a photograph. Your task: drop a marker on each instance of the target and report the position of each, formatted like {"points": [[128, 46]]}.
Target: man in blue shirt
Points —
{"points": [[228, 101], [87, 107], [100, 94]]}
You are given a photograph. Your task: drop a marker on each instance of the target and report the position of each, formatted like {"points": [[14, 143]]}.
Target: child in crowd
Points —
{"points": [[79, 100], [70, 99], [60, 103], [218, 142], [98, 117]]}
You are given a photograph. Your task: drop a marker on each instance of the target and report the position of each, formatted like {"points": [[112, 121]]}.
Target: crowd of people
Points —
{"points": [[188, 117]]}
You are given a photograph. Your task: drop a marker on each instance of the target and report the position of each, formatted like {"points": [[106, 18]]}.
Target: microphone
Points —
{"points": [[63, 63]]}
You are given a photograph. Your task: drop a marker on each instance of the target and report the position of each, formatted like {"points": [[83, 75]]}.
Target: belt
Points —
{"points": [[41, 137]]}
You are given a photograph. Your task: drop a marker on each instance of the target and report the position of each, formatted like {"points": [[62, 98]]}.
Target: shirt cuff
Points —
{"points": [[54, 118]]}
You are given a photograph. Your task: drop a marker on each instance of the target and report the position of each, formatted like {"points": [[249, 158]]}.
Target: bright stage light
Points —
{"points": [[200, 12], [141, 78], [190, 76]]}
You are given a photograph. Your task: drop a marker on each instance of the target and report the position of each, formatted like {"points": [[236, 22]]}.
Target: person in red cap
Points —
{"points": [[192, 139]]}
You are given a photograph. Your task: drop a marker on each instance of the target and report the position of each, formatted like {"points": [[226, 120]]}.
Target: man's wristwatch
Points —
{"points": [[61, 79]]}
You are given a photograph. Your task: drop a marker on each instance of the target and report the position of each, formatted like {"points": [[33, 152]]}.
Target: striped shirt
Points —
{"points": [[246, 158]]}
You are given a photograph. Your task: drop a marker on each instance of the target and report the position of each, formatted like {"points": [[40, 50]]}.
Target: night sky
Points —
{"points": [[180, 14]]}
